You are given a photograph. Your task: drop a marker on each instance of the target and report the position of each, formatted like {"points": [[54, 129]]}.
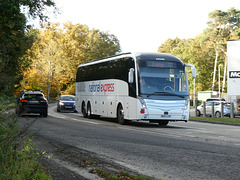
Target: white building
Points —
{"points": [[233, 72]]}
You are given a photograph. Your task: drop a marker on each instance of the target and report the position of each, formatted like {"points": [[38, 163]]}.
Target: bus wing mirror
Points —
{"points": [[131, 75], [194, 70]]}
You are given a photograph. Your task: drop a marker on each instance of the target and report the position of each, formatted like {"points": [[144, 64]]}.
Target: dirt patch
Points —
{"points": [[63, 161]]}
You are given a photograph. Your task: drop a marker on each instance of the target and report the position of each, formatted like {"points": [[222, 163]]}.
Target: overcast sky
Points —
{"points": [[142, 25]]}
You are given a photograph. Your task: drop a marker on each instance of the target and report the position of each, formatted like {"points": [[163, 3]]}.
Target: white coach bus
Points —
{"points": [[134, 86]]}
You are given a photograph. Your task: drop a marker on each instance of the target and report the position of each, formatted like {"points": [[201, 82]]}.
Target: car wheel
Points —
{"points": [[217, 114], [19, 113], [45, 114], [198, 113]]}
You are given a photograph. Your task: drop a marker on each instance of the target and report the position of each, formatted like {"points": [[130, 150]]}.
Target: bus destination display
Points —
{"points": [[162, 64]]}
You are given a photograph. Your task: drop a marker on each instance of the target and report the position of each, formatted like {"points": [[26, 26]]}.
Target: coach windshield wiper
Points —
{"points": [[165, 93]]}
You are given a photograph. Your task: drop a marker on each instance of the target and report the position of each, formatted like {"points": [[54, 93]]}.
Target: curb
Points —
{"points": [[215, 122]]}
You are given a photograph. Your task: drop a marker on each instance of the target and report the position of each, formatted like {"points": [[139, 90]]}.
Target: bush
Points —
{"points": [[17, 152]]}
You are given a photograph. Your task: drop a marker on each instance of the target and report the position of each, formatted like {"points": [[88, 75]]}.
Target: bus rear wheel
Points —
{"points": [[89, 111], [84, 112], [120, 115]]}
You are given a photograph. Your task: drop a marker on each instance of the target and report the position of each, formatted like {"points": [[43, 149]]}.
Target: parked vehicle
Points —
{"points": [[214, 99], [32, 101], [66, 103], [217, 109]]}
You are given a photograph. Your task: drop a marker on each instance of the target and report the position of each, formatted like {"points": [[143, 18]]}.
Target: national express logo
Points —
{"points": [[101, 87], [234, 74]]}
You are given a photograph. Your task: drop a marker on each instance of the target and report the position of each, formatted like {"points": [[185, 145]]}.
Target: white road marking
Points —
{"points": [[73, 119], [90, 122]]}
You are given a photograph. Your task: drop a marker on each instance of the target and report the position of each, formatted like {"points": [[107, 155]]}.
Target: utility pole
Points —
{"points": [[219, 83], [215, 67]]}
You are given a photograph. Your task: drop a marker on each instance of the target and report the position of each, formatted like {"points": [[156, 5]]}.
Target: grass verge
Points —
{"points": [[121, 175], [222, 120], [17, 152]]}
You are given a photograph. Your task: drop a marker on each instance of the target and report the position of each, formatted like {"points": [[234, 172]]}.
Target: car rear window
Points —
{"points": [[33, 96]]}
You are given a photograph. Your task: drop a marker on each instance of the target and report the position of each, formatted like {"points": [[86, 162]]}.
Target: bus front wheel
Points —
{"points": [[120, 115]]}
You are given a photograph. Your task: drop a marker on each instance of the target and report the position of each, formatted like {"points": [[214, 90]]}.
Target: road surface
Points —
{"points": [[180, 150]]}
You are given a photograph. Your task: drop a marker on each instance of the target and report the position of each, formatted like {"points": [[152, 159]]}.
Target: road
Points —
{"points": [[180, 150]]}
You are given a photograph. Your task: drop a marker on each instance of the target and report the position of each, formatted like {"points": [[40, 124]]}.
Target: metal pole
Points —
{"points": [[221, 109], [194, 104], [219, 83], [195, 109], [212, 109], [224, 76], [232, 110], [204, 109]]}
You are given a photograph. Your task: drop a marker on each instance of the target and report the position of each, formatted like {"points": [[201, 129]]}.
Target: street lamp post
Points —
{"points": [[219, 83]]}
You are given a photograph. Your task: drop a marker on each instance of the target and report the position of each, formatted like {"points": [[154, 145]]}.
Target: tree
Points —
{"points": [[169, 45], [190, 51], [223, 26], [208, 48], [13, 24], [57, 53]]}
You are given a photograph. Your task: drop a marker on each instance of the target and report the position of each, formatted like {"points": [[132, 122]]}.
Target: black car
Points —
{"points": [[66, 103], [32, 101]]}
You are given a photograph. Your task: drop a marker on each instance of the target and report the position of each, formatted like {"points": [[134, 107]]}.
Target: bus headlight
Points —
{"points": [[142, 102], [186, 104]]}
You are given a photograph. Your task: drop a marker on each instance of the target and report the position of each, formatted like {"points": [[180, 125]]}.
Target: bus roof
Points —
{"points": [[138, 55], [156, 56]]}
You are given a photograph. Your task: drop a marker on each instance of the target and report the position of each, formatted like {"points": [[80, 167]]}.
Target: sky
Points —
{"points": [[142, 25]]}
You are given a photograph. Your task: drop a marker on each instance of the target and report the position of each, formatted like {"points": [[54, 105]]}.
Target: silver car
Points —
{"points": [[217, 109]]}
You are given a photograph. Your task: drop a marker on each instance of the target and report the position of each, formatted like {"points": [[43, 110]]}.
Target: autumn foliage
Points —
{"points": [[59, 50]]}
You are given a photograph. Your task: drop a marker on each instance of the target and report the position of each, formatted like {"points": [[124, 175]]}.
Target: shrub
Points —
{"points": [[17, 152]]}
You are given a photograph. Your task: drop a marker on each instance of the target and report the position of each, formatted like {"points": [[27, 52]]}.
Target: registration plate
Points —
{"points": [[34, 102], [68, 107], [166, 116]]}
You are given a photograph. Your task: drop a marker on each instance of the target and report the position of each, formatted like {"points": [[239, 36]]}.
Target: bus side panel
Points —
{"points": [[130, 109], [102, 105], [103, 95], [78, 100], [95, 104], [111, 100]]}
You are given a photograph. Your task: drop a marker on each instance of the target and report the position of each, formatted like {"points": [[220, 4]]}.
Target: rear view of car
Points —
{"points": [[32, 101], [66, 103]]}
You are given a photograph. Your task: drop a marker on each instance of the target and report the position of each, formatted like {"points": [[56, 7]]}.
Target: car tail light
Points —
{"points": [[43, 101], [23, 100]]}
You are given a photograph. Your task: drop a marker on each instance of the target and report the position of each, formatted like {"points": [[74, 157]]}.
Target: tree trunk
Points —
{"points": [[224, 76], [214, 72]]}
